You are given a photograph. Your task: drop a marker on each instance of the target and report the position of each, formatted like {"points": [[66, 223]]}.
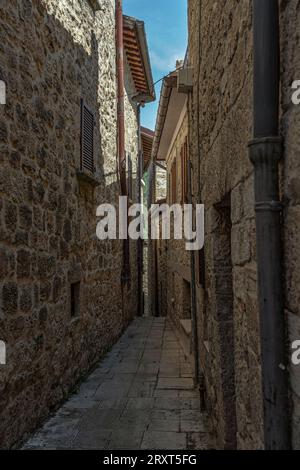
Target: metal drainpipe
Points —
{"points": [[140, 257], [121, 126], [154, 244], [193, 290], [265, 154]]}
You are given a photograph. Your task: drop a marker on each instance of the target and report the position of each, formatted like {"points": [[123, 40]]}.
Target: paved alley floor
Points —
{"points": [[140, 396]]}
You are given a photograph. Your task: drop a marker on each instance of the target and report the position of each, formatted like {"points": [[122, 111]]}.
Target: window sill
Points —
{"points": [[74, 321], [87, 178]]}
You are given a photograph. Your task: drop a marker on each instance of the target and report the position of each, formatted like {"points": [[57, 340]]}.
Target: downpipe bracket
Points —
{"points": [[266, 150], [265, 154], [268, 206]]}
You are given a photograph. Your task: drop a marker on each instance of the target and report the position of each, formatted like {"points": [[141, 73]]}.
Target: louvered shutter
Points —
{"points": [[185, 175], [87, 139], [174, 182]]}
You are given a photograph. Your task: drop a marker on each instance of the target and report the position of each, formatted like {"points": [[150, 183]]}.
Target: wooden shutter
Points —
{"points": [[87, 139], [174, 182], [182, 165], [184, 172]]}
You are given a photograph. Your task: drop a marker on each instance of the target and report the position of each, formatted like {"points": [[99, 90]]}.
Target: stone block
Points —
{"points": [[10, 216], [3, 263], [237, 204], [43, 315], [25, 301], [10, 298], [292, 258], [23, 264], [25, 217], [46, 265]]}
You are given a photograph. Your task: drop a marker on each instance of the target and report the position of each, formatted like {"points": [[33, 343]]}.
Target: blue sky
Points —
{"points": [[166, 28]]}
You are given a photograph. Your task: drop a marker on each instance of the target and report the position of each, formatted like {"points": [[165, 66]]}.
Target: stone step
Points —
{"points": [[175, 383]]}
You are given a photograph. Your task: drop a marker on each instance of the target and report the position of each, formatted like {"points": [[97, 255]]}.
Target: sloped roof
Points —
{"points": [[136, 49], [147, 137], [170, 107]]}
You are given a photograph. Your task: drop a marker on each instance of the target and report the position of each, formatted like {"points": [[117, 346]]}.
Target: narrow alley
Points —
{"points": [[141, 396], [149, 226]]}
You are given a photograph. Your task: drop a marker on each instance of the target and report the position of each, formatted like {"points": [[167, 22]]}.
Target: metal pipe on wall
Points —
{"points": [[193, 289], [265, 154], [121, 96], [121, 126], [140, 244]]}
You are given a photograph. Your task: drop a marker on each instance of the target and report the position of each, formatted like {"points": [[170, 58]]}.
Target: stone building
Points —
{"points": [[147, 136], [221, 111], [63, 299], [244, 330], [170, 262]]}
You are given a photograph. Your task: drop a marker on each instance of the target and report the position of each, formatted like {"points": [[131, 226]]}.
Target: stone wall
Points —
{"points": [[178, 259], [160, 184], [221, 118], [52, 54], [220, 108]]}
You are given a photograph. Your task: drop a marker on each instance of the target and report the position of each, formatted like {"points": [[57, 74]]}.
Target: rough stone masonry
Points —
{"points": [[220, 107], [62, 304]]}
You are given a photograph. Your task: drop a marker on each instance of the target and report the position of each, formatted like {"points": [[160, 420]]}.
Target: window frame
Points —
{"points": [[83, 167]]}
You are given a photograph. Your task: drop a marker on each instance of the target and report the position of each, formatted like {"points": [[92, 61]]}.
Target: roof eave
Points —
{"points": [[139, 27], [169, 83], [146, 59]]}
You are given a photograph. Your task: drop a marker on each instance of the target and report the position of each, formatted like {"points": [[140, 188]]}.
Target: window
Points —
{"points": [[201, 268], [87, 139], [184, 172], [75, 299]]}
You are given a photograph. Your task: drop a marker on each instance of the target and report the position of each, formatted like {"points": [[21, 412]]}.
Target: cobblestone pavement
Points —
{"points": [[140, 396]]}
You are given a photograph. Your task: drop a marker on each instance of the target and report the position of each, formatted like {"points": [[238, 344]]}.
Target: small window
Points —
{"points": [[75, 299], [87, 139], [201, 268]]}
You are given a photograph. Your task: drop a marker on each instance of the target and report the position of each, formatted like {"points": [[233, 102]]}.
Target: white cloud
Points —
{"points": [[164, 61]]}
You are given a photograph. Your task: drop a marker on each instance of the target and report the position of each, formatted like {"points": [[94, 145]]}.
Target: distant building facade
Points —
{"points": [[170, 269]]}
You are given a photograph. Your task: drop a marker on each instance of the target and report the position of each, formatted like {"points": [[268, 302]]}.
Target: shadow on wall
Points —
{"points": [[49, 223]]}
